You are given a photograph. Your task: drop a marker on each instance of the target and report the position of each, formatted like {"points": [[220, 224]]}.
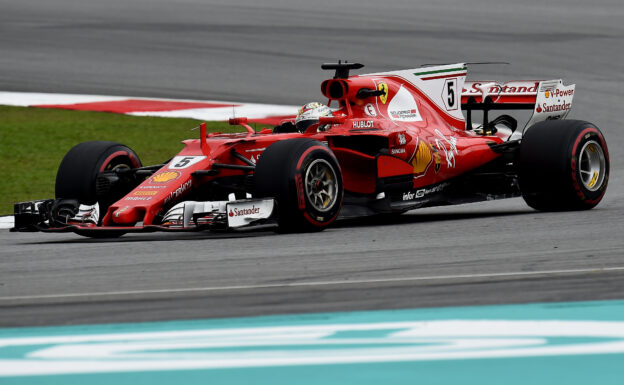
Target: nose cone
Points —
{"points": [[127, 215]]}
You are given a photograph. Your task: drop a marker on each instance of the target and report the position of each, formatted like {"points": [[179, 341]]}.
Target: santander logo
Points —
{"points": [[235, 212]]}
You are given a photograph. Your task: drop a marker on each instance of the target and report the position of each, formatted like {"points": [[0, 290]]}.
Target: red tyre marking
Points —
{"points": [[135, 163], [298, 177], [300, 191], [577, 186], [314, 222], [309, 150]]}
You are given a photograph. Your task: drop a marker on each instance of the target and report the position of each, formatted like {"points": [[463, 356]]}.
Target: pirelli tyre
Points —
{"points": [[564, 165], [304, 177], [77, 174]]}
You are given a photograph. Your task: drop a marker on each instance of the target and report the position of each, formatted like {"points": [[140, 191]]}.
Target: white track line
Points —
{"points": [[7, 222], [25, 99], [249, 110], [318, 283]]}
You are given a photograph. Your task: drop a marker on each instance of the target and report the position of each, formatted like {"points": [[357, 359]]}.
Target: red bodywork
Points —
{"points": [[433, 147]]}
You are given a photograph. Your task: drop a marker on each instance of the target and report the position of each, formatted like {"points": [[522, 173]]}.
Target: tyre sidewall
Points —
{"points": [[77, 173], [304, 206], [281, 174], [587, 134], [549, 174]]}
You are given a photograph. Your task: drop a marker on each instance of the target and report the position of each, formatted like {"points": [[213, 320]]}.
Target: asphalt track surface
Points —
{"points": [[270, 51]]}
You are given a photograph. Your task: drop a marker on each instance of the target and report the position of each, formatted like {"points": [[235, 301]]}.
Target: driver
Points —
{"points": [[308, 115]]}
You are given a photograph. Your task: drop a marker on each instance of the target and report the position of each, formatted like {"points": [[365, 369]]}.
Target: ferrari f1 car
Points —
{"points": [[393, 142]]}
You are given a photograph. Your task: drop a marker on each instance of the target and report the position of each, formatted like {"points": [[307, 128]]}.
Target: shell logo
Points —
{"points": [[164, 177], [547, 94], [423, 158]]}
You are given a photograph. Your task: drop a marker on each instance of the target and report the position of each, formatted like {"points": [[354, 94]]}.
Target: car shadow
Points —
{"points": [[415, 217]]}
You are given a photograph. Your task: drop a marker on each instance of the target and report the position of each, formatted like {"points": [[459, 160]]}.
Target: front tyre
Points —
{"points": [[564, 165], [77, 174], [304, 177]]}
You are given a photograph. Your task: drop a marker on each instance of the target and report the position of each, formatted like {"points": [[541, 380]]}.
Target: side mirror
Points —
{"points": [[241, 122], [237, 121]]}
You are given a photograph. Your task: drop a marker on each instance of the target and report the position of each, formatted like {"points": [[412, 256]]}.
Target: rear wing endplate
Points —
{"points": [[549, 99]]}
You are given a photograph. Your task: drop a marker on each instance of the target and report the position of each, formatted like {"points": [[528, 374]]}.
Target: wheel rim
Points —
{"points": [[321, 185], [592, 165], [117, 166]]}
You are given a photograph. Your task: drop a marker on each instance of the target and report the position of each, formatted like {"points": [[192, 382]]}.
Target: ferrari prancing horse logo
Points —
{"points": [[383, 87]]}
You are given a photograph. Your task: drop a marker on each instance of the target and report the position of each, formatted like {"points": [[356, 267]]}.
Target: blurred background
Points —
{"points": [[271, 50]]}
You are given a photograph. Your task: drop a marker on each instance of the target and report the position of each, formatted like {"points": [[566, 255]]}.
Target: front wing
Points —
{"points": [[62, 215]]}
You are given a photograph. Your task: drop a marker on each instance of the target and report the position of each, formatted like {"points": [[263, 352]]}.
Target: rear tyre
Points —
{"points": [[304, 177], [77, 174], [564, 165]]}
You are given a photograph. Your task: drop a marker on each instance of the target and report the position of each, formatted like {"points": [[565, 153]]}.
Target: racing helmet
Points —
{"points": [[310, 114]]}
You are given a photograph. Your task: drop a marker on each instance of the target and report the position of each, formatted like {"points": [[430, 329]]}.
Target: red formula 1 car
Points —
{"points": [[393, 142]]}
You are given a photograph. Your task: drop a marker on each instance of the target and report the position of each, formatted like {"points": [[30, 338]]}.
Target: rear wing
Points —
{"points": [[549, 99]]}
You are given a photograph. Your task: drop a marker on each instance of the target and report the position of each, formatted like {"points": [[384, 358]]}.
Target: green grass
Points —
{"points": [[33, 141]]}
